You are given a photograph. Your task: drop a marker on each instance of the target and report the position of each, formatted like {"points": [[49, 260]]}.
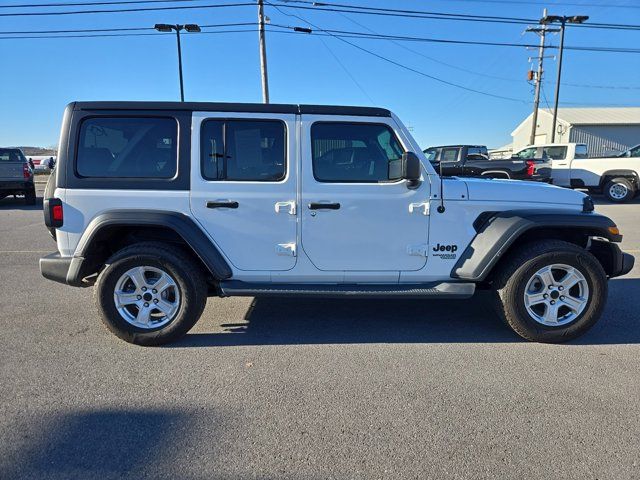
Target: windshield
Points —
{"points": [[11, 155]]}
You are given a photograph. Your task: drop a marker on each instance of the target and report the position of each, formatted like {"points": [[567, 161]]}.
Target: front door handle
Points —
{"points": [[222, 204], [324, 206]]}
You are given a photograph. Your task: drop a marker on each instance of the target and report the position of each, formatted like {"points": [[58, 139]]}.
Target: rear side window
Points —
{"points": [[353, 152], [555, 153], [449, 155], [128, 147], [243, 150], [581, 151]]}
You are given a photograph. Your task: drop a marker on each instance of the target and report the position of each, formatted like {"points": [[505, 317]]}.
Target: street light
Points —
{"points": [[562, 20], [166, 28]]}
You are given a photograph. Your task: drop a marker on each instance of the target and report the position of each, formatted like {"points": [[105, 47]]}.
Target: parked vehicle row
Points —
{"points": [[474, 161], [160, 205], [563, 164]]}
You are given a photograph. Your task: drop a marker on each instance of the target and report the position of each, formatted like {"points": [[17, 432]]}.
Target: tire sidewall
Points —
{"points": [[620, 181], [181, 323], [596, 282]]}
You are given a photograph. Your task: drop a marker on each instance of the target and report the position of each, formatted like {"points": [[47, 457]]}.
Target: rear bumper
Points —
{"points": [[15, 185], [67, 270]]}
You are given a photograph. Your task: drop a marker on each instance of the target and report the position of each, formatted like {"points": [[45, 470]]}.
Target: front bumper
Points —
{"points": [[615, 262], [67, 270]]}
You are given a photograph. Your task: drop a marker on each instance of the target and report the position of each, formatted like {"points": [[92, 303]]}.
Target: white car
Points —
{"points": [[159, 205]]}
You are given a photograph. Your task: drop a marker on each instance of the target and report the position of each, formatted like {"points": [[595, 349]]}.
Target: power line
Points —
{"points": [[125, 10], [435, 60], [391, 12], [90, 4], [525, 2], [376, 36], [128, 29], [99, 35], [401, 65]]}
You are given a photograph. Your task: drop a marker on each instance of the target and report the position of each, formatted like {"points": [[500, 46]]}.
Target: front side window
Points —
{"points": [[133, 147], [635, 152], [431, 154], [243, 150], [353, 152], [555, 153], [526, 154]]}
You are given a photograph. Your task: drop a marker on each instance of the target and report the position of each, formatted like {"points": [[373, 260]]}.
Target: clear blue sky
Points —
{"points": [[42, 76]]}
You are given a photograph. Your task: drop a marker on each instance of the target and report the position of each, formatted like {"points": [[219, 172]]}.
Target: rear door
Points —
{"points": [[243, 186], [354, 219], [560, 164], [451, 161]]}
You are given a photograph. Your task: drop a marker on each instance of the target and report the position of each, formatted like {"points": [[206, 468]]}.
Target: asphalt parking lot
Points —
{"points": [[306, 389]]}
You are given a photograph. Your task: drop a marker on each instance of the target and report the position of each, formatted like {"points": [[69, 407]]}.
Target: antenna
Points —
{"points": [[441, 208]]}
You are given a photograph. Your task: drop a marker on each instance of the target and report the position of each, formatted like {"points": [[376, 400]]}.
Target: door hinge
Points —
{"points": [[290, 205], [420, 206], [286, 249], [419, 250]]}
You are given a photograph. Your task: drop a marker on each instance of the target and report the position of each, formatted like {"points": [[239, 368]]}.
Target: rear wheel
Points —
{"points": [[150, 293], [551, 291], [30, 196], [620, 190]]}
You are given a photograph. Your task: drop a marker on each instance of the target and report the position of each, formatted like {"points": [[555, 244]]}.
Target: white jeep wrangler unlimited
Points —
{"points": [[160, 205]]}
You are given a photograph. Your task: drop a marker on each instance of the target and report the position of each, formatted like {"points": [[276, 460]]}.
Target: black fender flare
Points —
{"points": [[496, 232], [181, 224], [619, 173]]}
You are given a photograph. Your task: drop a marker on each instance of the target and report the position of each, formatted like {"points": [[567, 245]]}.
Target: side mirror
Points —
{"points": [[407, 168], [411, 169]]}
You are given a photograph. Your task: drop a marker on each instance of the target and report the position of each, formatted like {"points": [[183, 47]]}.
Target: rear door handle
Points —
{"points": [[222, 204], [324, 206]]}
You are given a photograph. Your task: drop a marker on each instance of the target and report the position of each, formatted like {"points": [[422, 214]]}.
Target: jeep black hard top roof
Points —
{"points": [[237, 107]]}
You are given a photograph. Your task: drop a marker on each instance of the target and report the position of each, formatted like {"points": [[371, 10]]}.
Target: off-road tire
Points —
{"points": [[30, 196], [187, 274], [628, 184], [510, 283]]}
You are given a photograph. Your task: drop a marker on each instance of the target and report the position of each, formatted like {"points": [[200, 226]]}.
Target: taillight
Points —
{"points": [[53, 213], [56, 213], [26, 171], [531, 168]]}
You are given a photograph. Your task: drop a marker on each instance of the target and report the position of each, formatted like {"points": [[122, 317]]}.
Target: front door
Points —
{"points": [[243, 186], [353, 217]]}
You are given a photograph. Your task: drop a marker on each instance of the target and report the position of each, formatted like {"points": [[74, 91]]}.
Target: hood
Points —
{"points": [[521, 191]]}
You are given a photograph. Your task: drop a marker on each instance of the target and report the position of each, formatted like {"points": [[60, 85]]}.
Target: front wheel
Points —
{"points": [[551, 291], [150, 293]]}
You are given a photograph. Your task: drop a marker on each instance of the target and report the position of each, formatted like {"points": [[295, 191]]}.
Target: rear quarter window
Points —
{"points": [[127, 147]]}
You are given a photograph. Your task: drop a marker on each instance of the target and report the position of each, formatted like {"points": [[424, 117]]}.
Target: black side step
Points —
{"points": [[421, 290]]}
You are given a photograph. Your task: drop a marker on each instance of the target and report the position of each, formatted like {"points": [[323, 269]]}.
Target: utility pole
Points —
{"points": [[536, 99], [263, 53], [562, 20]]}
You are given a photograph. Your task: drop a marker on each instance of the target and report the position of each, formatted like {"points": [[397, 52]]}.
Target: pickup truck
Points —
{"points": [[16, 176], [615, 177], [474, 161]]}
